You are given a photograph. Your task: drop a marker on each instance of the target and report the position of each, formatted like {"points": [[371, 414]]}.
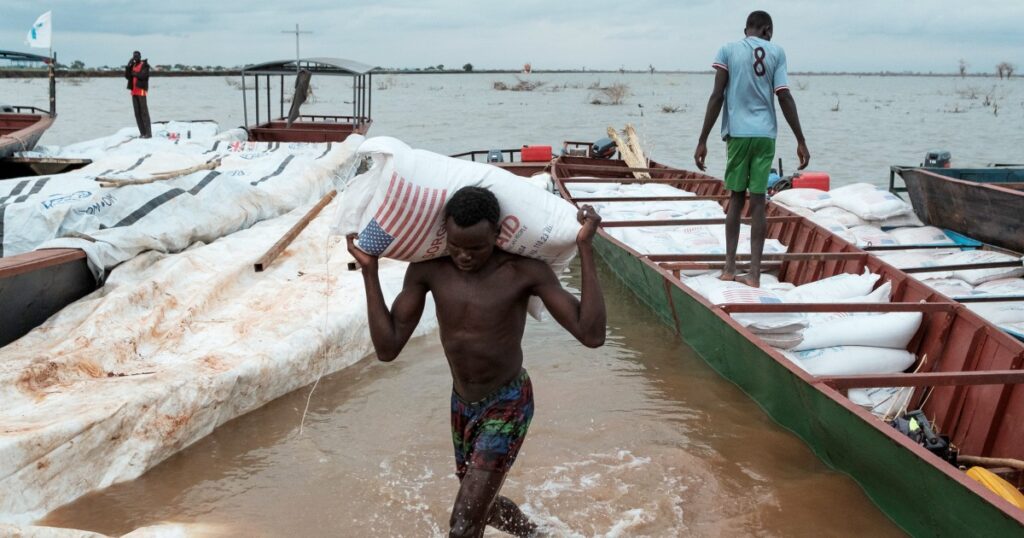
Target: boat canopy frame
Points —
{"points": [[362, 78], [16, 56]]}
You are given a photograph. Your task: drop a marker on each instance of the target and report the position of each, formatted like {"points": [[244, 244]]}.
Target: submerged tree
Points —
{"points": [[468, 68], [1005, 69], [963, 68]]}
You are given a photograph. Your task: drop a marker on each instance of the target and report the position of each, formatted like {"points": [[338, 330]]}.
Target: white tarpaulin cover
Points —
{"points": [[254, 181], [170, 348]]}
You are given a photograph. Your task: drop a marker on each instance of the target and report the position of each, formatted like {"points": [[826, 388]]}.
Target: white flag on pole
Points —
{"points": [[41, 34]]}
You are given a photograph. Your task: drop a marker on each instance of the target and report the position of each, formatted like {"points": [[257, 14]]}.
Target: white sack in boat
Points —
{"points": [[254, 181], [869, 203], [1000, 313], [807, 198], [1002, 286], [852, 360], [950, 287], [768, 322], [787, 340], [841, 215], [892, 330], [170, 348], [834, 226], [592, 189], [920, 235], [975, 277], [883, 402], [868, 236], [842, 286], [897, 221], [542, 181], [881, 294], [909, 259]]}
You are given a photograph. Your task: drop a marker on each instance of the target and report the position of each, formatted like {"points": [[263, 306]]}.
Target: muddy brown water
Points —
{"points": [[638, 438]]}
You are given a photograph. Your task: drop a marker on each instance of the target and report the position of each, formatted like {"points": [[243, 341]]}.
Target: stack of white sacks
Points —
{"points": [[703, 239], [829, 343], [822, 344], [868, 216]]}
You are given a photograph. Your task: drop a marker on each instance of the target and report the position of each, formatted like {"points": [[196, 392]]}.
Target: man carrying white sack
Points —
{"points": [[747, 72], [481, 296]]}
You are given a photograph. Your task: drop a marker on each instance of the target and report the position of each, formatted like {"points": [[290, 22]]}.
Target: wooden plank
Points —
{"points": [[671, 181], [1000, 411], [292, 233], [38, 259], [989, 298], [650, 198], [682, 222], [787, 256], [871, 248], [929, 379], [611, 168], [712, 265], [774, 308], [961, 267]]}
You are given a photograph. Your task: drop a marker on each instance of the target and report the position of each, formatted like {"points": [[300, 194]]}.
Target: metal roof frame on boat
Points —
{"points": [[317, 66], [16, 56], [305, 127]]}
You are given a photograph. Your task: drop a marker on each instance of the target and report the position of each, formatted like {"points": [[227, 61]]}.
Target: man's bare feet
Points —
{"points": [[727, 276], [750, 280]]}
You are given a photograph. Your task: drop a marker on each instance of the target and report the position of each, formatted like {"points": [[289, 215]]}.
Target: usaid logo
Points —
{"points": [[509, 226]]}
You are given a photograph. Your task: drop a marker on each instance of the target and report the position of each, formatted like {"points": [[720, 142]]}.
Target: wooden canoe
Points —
{"points": [[20, 131], [970, 382], [983, 203]]}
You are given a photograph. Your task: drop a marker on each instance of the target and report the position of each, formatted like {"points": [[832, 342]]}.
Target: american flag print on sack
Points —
{"points": [[403, 221]]}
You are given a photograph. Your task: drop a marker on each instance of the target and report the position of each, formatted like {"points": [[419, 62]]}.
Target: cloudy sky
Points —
{"points": [[866, 35]]}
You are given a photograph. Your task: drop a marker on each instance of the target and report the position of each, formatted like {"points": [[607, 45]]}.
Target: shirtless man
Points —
{"points": [[481, 295]]}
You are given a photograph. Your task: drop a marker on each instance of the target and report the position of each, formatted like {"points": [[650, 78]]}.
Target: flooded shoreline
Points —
{"points": [[637, 438]]}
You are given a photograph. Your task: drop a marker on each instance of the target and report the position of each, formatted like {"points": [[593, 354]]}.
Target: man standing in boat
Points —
{"points": [[748, 74], [481, 295], [137, 73]]}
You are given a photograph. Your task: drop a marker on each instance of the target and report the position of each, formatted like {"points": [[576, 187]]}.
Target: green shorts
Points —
{"points": [[748, 164]]}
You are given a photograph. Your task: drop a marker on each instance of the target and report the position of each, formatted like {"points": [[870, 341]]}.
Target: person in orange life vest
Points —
{"points": [[137, 73]]}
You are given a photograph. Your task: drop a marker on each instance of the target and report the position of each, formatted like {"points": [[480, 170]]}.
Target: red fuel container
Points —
{"points": [[811, 180], [533, 154]]}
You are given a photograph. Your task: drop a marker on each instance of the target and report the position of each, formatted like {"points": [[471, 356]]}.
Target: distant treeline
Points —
{"points": [[6, 72]]}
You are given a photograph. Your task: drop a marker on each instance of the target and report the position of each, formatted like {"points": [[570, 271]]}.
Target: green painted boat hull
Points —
{"points": [[917, 495]]}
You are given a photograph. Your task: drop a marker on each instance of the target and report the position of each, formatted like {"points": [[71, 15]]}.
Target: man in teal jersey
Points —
{"points": [[748, 75]]}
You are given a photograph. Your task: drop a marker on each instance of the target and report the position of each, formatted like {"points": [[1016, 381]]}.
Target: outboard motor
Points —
{"points": [[937, 159], [495, 156], [6, 108], [603, 149]]}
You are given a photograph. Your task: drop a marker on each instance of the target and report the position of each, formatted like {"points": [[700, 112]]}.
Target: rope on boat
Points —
{"points": [[23, 143]]}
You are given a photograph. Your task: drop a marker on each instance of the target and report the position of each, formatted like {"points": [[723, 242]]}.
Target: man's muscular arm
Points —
{"points": [[391, 329], [585, 318]]}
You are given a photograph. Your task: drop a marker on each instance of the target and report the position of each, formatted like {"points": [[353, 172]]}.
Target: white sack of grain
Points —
{"points": [[1002, 286], [869, 204], [841, 286], [807, 198], [975, 277], [843, 216], [791, 321], [872, 236], [920, 235], [891, 330], [852, 360]]}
